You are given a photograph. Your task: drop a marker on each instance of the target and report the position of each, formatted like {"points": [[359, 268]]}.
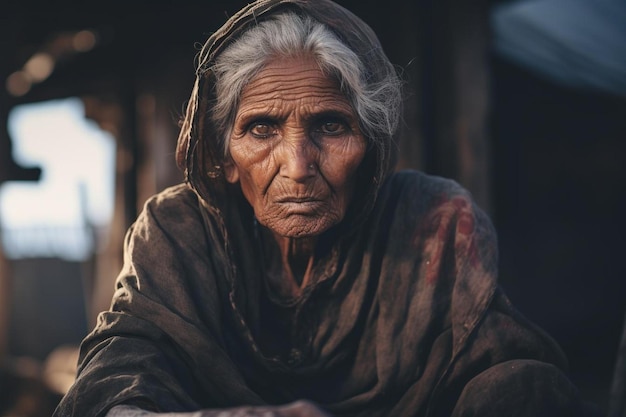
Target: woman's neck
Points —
{"points": [[290, 263], [297, 256]]}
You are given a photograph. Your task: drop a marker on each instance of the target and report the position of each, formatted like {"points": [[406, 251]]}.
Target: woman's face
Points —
{"points": [[295, 148]]}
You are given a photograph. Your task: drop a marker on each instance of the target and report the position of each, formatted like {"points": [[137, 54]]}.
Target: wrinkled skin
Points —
{"points": [[295, 148]]}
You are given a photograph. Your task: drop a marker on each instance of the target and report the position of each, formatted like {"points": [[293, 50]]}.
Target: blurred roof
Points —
{"points": [[40, 38], [578, 43]]}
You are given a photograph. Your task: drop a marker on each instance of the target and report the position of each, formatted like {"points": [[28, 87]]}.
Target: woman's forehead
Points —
{"points": [[292, 79]]}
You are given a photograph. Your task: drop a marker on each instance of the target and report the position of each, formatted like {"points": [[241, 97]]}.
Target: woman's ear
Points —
{"points": [[231, 172]]}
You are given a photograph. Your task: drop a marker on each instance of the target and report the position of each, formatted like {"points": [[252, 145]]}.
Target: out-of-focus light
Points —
{"points": [[66, 214], [39, 66], [84, 40], [18, 83]]}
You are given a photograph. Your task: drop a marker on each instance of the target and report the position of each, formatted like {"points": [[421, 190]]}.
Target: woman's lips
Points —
{"points": [[298, 200], [301, 205]]}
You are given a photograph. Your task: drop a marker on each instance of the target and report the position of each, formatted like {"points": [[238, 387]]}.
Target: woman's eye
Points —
{"points": [[332, 128], [261, 130]]}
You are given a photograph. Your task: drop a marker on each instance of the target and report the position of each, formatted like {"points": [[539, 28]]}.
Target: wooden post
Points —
{"points": [[442, 48], [461, 91], [5, 306]]}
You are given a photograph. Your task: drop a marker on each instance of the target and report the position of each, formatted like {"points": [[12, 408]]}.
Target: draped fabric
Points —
{"points": [[402, 319], [402, 315]]}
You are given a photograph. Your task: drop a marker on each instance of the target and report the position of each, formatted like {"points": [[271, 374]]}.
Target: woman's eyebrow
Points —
{"points": [[248, 116], [332, 113]]}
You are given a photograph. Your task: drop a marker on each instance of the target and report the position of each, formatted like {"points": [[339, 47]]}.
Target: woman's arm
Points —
{"points": [[520, 387], [295, 409]]}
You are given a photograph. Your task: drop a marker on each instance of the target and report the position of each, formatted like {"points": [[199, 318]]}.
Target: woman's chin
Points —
{"points": [[300, 226]]}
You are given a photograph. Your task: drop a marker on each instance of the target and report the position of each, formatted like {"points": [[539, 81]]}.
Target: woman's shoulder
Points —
{"points": [[174, 209], [169, 229], [421, 203], [412, 182], [178, 196], [172, 203], [418, 192]]}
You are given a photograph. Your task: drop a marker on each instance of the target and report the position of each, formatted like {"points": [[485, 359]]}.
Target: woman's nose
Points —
{"points": [[297, 160]]}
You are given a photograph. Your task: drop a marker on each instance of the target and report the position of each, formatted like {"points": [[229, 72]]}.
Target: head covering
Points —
{"points": [[198, 153]]}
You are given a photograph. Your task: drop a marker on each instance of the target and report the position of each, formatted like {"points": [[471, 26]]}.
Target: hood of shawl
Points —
{"points": [[198, 153]]}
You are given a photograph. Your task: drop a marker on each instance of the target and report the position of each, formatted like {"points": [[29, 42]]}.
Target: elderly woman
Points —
{"points": [[293, 274]]}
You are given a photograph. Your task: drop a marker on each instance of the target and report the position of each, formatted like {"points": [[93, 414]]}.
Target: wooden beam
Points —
{"points": [[461, 94]]}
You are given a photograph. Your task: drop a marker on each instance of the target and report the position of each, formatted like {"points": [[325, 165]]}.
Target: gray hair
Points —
{"points": [[377, 105]]}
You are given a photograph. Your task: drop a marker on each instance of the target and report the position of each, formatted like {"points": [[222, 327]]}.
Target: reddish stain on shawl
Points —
{"points": [[436, 230], [465, 224], [465, 239]]}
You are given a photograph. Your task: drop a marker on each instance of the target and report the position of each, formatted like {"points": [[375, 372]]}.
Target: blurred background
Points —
{"points": [[522, 102]]}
